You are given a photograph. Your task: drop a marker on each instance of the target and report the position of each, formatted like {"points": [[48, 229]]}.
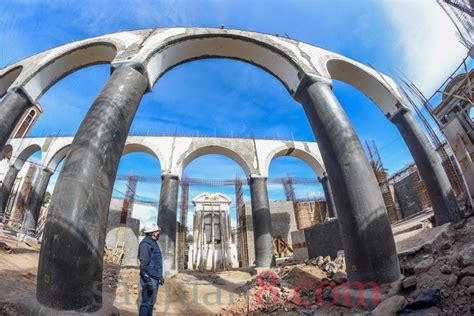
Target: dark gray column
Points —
{"points": [[167, 221], [34, 202], [7, 186], [70, 265], [429, 165], [328, 194], [368, 242], [12, 107], [262, 223]]}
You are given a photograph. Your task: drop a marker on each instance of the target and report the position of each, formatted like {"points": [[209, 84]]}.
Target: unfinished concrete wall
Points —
{"points": [[283, 223], [319, 240], [323, 239], [126, 234], [407, 195]]}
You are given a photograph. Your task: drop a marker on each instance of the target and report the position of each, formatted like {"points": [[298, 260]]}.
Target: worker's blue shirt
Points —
{"points": [[151, 263]]}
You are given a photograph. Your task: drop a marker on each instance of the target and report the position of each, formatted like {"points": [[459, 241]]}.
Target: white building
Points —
{"points": [[213, 247]]}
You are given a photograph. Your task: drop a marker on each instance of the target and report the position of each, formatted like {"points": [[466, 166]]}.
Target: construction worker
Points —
{"points": [[151, 268]]}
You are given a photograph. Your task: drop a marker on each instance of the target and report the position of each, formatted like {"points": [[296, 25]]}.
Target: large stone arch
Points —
{"points": [[36, 74], [57, 157], [64, 62], [24, 154], [183, 162], [132, 146], [308, 157], [168, 48]]}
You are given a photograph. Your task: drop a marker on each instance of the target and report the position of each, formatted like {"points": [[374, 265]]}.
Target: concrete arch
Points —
{"points": [[8, 77], [26, 153], [159, 50], [57, 65], [169, 48], [374, 85], [214, 149], [309, 158], [57, 157], [151, 149]]}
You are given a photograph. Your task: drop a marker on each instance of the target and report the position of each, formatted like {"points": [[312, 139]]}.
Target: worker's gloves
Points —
{"points": [[149, 287], [161, 281]]}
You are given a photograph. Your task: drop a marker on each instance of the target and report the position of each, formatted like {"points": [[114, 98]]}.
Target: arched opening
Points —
{"points": [[297, 199], [59, 64], [267, 52], [379, 88], [135, 201], [246, 101], [18, 183], [73, 95], [219, 150], [386, 151], [210, 212]]}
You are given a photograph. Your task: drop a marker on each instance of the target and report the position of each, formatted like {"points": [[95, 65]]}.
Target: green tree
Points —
{"points": [[46, 199]]}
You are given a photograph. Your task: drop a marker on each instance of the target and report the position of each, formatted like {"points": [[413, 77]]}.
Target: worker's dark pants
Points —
{"points": [[148, 298]]}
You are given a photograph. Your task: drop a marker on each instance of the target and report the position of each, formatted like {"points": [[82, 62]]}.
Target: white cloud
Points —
{"points": [[426, 37], [144, 213]]}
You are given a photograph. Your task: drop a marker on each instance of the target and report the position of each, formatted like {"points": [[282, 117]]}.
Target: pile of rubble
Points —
{"points": [[292, 287], [444, 273], [438, 278]]}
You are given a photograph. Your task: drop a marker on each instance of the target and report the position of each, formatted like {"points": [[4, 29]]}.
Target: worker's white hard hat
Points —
{"points": [[151, 227]]}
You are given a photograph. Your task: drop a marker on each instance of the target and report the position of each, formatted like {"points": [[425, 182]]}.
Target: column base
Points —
{"points": [[31, 307]]}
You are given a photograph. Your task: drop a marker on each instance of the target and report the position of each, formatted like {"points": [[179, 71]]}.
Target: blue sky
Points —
{"points": [[226, 97]]}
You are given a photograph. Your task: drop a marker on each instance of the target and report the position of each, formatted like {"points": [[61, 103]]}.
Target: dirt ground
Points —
{"points": [[437, 262], [194, 293]]}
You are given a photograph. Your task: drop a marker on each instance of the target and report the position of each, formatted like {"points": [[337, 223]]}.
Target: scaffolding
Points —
{"points": [[242, 244], [461, 13], [415, 97], [182, 225], [127, 206], [381, 176]]}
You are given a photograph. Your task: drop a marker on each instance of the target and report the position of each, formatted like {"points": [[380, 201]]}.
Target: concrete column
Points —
{"points": [[70, 265], [262, 223], [167, 216], [367, 238], [7, 186], [429, 165], [34, 202], [12, 107], [328, 194]]}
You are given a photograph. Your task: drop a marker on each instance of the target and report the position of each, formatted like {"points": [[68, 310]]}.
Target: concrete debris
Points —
{"points": [[4, 248], [467, 281], [467, 271], [447, 269], [424, 265], [409, 281], [390, 306], [452, 281]]}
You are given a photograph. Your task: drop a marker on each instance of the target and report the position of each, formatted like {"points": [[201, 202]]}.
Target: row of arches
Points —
{"points": [[138, 60], [252, 155]]}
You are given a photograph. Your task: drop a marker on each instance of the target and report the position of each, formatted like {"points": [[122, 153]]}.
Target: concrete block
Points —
{"points": [[323, 239]]}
